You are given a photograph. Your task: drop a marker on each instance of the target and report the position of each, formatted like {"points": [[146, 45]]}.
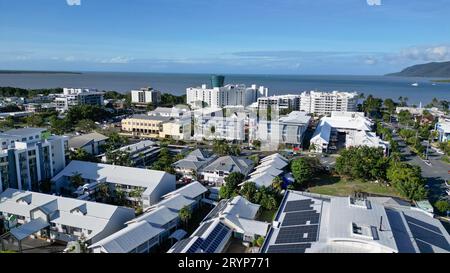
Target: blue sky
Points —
{"points": [[224, 36]]}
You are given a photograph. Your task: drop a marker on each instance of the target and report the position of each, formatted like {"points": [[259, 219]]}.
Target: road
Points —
{"points": [[436, 173]]}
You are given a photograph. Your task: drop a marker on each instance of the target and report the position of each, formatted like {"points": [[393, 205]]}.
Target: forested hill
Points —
{"points": [[435, 69]]}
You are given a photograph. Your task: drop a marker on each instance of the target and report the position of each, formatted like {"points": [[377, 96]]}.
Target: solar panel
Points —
{"points": [[195, 246], [291, 248], [202, 229], [216, 210], [212, 242], [297, 234], [301, 218], [424, 247], [298, 205], [423, 224], [178, 247], [429, 237]]}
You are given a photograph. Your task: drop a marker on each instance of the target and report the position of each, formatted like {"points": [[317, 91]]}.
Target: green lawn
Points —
{"points": [[334, 185]]}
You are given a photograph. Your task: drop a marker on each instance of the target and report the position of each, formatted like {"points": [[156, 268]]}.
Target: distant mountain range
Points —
{"points": [[435, 69]]}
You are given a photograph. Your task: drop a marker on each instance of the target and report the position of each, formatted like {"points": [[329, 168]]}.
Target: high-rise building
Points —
{"points": [[219, 96], [145, 96], [323, 103], [28, 156]]}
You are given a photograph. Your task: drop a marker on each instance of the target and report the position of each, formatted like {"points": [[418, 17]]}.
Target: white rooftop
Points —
{"points": [[344, 224], [137, 177], [67, 211]]}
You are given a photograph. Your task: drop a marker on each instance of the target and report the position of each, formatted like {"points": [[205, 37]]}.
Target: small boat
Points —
{"points": [[433, 84], [415, 84]]}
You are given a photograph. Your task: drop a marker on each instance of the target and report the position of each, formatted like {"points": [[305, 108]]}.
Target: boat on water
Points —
{"points": [[415, 84]]}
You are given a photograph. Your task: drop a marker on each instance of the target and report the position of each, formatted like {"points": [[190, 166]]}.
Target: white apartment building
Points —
{"points": [[78, 96], [145, 96], [220, 96], [350, 127], [141, 154], [211, 123], [31, 214], [443, 129], [28, 156], [150, 184], [288, 130], [323, 103], [146, 232], [364, 138], [279, 102]]}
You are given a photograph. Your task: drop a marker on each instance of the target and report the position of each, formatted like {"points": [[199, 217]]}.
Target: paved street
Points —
{"points": [[436, 173]]}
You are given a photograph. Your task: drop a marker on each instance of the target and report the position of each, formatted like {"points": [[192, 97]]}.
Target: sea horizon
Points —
{"points": [[176, 82]]}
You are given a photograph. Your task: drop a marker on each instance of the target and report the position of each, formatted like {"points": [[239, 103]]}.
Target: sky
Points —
{"points": [[359, 37]]}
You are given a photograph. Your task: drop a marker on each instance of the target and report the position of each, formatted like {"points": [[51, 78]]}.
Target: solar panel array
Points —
{"points": [[180, 245], [291, 248], [427, 235], [297, 234], [422, 224], [202, 229], [195, 246], [301, 218], [212, 242], [298, 205], [215, 211], [299, 228]]}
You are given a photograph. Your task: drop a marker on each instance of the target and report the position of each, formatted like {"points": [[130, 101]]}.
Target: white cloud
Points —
{"points": [[73, 2], [374, 2], [428, 54], [370, 61], [117, 60], [69, 59]]}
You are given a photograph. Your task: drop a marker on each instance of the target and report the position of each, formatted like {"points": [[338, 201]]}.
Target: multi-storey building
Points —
{"points": [[219, 96], [291, 102], [145, 96], [216, 123], [144, 125], [141, 154], [323, 103], [443, 129], [288, 130], [140, 186], [349, 128], [145, 233], [28, 156], [78, 96], [27, 214]]}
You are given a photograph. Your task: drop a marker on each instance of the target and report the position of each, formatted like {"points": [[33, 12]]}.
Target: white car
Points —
{"points": [[448, 192]]}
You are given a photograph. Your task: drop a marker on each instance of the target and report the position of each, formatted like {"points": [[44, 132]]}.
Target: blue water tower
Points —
{"points": [[217, 80]]}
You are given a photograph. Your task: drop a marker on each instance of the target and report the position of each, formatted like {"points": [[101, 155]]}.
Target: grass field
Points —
{"points": [[334, 185]]}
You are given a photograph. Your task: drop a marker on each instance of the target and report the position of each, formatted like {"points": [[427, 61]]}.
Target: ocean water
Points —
{"points": [[379, 86]]}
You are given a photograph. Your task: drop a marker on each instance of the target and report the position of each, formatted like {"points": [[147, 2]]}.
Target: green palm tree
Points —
{"points": [[185, 215], [76, 180], [277, 184]]}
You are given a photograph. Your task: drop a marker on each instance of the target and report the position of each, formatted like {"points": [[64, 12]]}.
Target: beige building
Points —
{"points": [[144, 126], [178, 129]]}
